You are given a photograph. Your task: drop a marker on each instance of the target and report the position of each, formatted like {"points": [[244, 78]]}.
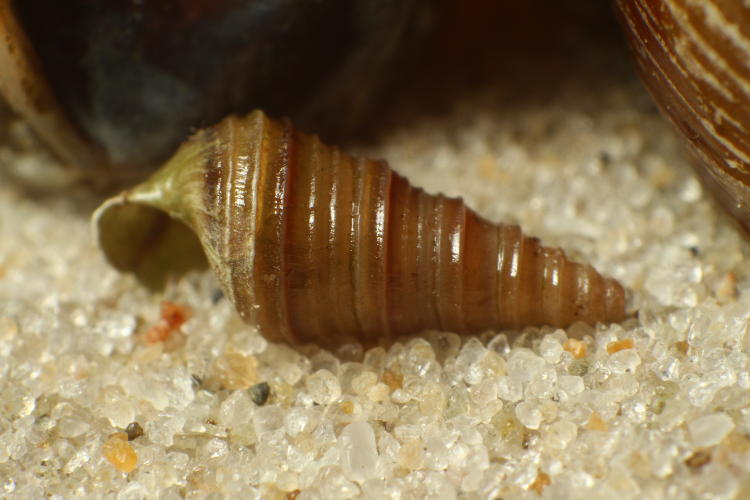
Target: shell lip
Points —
{"points": [[138, 237]]}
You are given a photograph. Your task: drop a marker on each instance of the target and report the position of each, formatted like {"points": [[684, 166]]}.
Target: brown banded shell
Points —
{"points": [[314, 245], [694, 56]]}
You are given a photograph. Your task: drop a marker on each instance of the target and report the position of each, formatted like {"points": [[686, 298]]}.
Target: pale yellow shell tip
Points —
{"points": [[144, 240]]}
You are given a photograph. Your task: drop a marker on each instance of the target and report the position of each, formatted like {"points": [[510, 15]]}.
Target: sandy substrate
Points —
{"points": [[656, 407]]}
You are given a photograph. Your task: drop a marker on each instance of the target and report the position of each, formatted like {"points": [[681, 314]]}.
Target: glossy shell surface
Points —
{"points": [[314, 245]]}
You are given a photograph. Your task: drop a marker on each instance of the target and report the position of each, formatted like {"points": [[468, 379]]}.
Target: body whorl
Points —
{"points": [[314, 245]]}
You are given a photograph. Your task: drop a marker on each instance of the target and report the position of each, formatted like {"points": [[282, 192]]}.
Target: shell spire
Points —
{"points": [[314, 245]]}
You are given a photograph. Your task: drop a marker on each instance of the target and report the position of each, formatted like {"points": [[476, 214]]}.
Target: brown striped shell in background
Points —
{"points": [[694, 56], [314, 245]]}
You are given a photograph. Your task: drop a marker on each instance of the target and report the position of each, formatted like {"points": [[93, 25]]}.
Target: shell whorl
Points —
{"points": [[314, 245]]}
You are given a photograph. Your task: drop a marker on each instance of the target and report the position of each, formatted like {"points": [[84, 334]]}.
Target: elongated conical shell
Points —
{"points": [[312, 244]]}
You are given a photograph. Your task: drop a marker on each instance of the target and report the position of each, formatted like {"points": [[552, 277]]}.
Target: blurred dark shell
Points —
{"points": [[134, 78], [26, 89], [694, 57]]}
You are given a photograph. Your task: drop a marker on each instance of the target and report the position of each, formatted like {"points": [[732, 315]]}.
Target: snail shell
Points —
{"points": [[314, 245], [113, 87], [27, 91], [694, 57]]}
